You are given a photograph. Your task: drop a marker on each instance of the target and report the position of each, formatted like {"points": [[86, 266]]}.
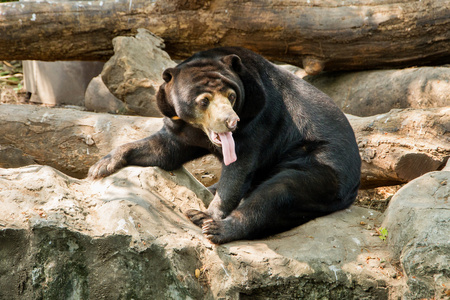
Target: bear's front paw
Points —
{"points": [[106, 166]]}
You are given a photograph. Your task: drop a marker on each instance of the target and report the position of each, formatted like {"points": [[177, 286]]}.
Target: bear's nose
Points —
{"points": [[232, 122]]}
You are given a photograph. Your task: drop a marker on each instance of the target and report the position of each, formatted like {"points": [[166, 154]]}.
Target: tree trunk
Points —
{"points": [[314, 34], [395, 147], [67, 139], [401, 145]]}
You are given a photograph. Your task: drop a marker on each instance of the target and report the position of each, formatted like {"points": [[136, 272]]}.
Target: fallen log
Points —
{"points": [[401, 145], [395, 147], [376, 92], [69, 140], [330, 35]]}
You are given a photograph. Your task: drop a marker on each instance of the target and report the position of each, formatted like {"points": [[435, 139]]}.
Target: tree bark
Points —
{"points": [[401, 145], [395, 147], [330, 35], [67, 139]]}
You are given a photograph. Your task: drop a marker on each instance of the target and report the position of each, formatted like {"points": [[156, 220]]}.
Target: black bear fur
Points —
{"points": [[297, 158]]}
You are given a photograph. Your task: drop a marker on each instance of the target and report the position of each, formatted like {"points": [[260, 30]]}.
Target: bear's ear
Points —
{"points": [[168, 74], [163, 103], [254, 98], [233, 61]]}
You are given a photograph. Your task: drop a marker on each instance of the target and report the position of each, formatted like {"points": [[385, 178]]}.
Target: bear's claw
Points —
{"points": [[214, 231], [197, 217], [105, 167]]}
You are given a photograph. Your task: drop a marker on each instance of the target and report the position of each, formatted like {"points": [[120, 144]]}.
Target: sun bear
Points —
{"points": [[289, 154]]}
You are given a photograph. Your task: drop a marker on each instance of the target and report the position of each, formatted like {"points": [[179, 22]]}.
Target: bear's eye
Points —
{"points": [[232, 97], [204, 102]]}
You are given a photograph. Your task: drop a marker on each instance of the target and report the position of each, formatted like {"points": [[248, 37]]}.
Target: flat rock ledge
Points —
{"points": [[126, 237]]}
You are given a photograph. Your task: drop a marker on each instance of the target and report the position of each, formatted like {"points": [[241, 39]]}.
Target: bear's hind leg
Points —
{"points": [[288, 199]]}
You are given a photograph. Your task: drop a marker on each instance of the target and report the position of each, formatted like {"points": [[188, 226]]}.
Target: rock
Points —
{"points": [[374, 92], [99, 99], [11, 157], [418, 224], [447, 166], [126, 237], [64, 238], [313, 65], [294, 70], [133, 74], [206, 169]]}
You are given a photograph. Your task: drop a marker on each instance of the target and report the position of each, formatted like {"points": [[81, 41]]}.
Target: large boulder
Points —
{"points": [[133, 74], [375, 92], [418, 225], [63, 238], [98, 98], [125, 237]]}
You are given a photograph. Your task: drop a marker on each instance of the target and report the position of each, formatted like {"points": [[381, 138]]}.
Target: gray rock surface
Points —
{"points": [[11, 157], [125, 237], [418, 222], [98, 98], [63, 238], [133, 74], [374, 92]]}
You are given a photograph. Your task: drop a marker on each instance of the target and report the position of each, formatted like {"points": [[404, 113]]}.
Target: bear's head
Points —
{"points": [[205, 93], [208, 92]]}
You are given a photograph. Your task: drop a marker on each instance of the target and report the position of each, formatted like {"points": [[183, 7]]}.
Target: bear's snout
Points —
{"points": [[232, 121], [220, 115]]}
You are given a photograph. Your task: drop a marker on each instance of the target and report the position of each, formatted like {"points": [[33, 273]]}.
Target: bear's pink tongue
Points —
{"points": [[228, 151]]}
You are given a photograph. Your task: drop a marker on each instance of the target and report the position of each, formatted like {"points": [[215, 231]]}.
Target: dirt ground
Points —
{"points": [[205, 169]]}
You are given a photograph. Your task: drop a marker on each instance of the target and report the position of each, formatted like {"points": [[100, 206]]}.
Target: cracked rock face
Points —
{"points": [[418, 220], [133, 74], [126, 237], [70, 238]]}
